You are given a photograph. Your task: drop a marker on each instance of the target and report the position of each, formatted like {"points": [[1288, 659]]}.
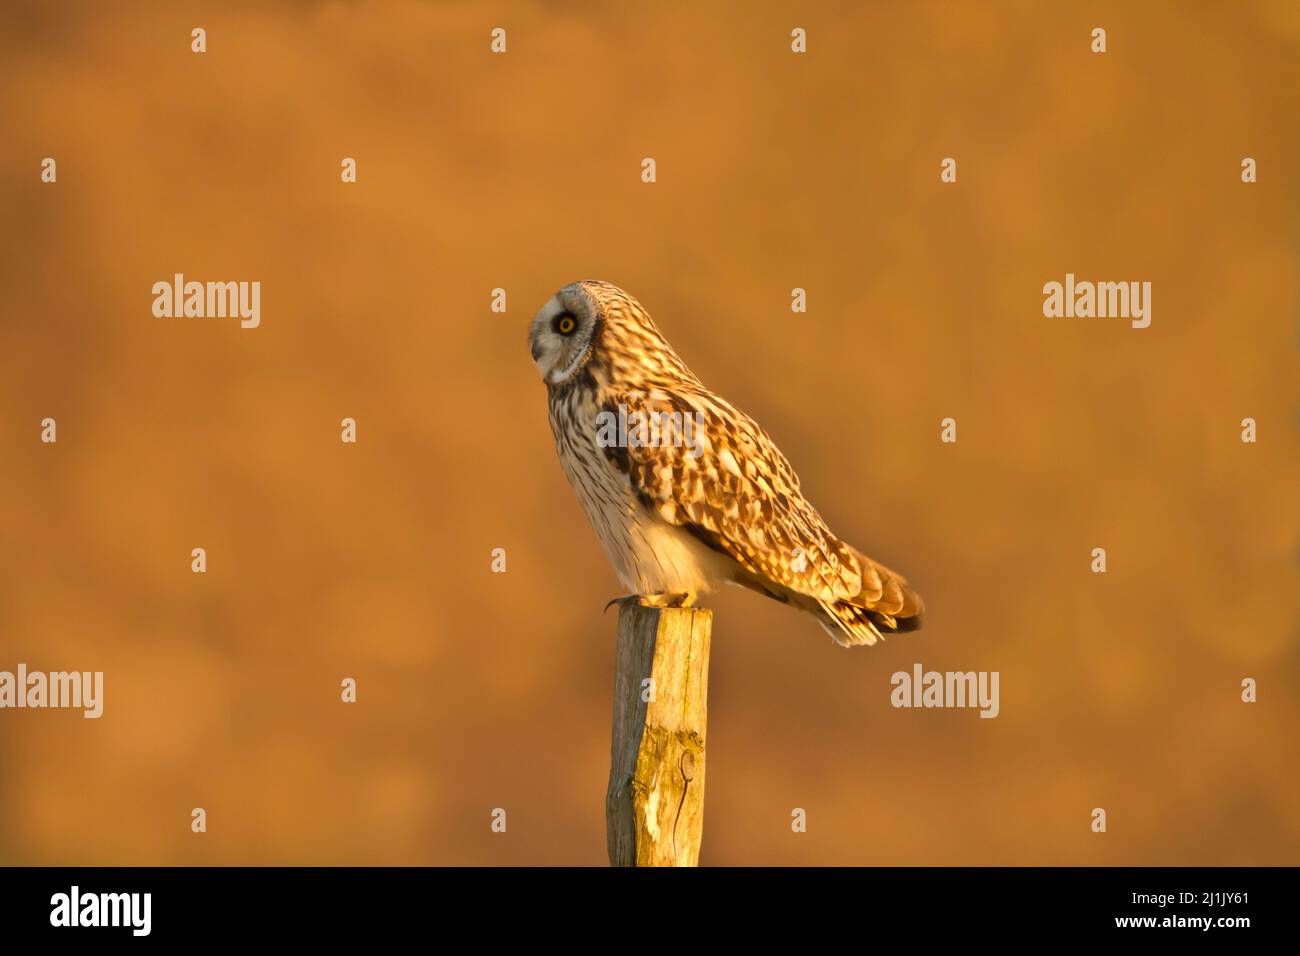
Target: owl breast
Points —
{"points": [[649, 555]]}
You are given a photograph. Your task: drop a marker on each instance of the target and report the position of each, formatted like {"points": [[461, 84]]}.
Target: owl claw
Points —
{"points": [[623, 601], [685, 599]]}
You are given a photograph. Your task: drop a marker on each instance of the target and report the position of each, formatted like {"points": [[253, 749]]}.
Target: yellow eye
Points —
{"points": [[565, 325]]}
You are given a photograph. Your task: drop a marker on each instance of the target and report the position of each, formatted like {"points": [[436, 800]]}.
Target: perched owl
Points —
{"points": [[684, 490]]}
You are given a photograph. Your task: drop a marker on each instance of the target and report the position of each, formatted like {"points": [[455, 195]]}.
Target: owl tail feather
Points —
{"points": [[850, 625], [865, 619], [870, 616]]}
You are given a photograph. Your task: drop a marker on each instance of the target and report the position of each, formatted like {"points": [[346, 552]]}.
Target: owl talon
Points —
{"points": [[623, 601]]}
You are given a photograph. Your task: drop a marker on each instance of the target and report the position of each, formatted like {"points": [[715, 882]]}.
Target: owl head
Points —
{"points": [[598, 325], [565, 332]]}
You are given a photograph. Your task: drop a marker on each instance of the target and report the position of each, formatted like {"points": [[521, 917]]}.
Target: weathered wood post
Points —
{"points": [[654, 807]]}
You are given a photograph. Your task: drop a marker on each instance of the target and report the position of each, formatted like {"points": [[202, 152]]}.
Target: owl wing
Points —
{"points": [[714, 472]]}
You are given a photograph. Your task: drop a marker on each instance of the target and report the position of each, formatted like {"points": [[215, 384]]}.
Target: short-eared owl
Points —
{"points": [[684, 490]]}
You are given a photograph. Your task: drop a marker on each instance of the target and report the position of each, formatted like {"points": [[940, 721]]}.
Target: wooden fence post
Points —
{"points": [[654, 806]]}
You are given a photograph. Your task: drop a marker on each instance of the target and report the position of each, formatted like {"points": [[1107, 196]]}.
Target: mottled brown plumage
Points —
{"points": [[685, 491]]}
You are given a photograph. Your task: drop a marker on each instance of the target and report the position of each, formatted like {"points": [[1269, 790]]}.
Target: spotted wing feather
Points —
{"points": [[714, 472]]}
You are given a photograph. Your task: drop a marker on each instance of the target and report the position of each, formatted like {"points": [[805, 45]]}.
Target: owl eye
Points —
{"points": [[565, 323]]}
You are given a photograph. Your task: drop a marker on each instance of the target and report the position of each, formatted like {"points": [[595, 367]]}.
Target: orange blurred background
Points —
{"points": [[479, 690]]}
